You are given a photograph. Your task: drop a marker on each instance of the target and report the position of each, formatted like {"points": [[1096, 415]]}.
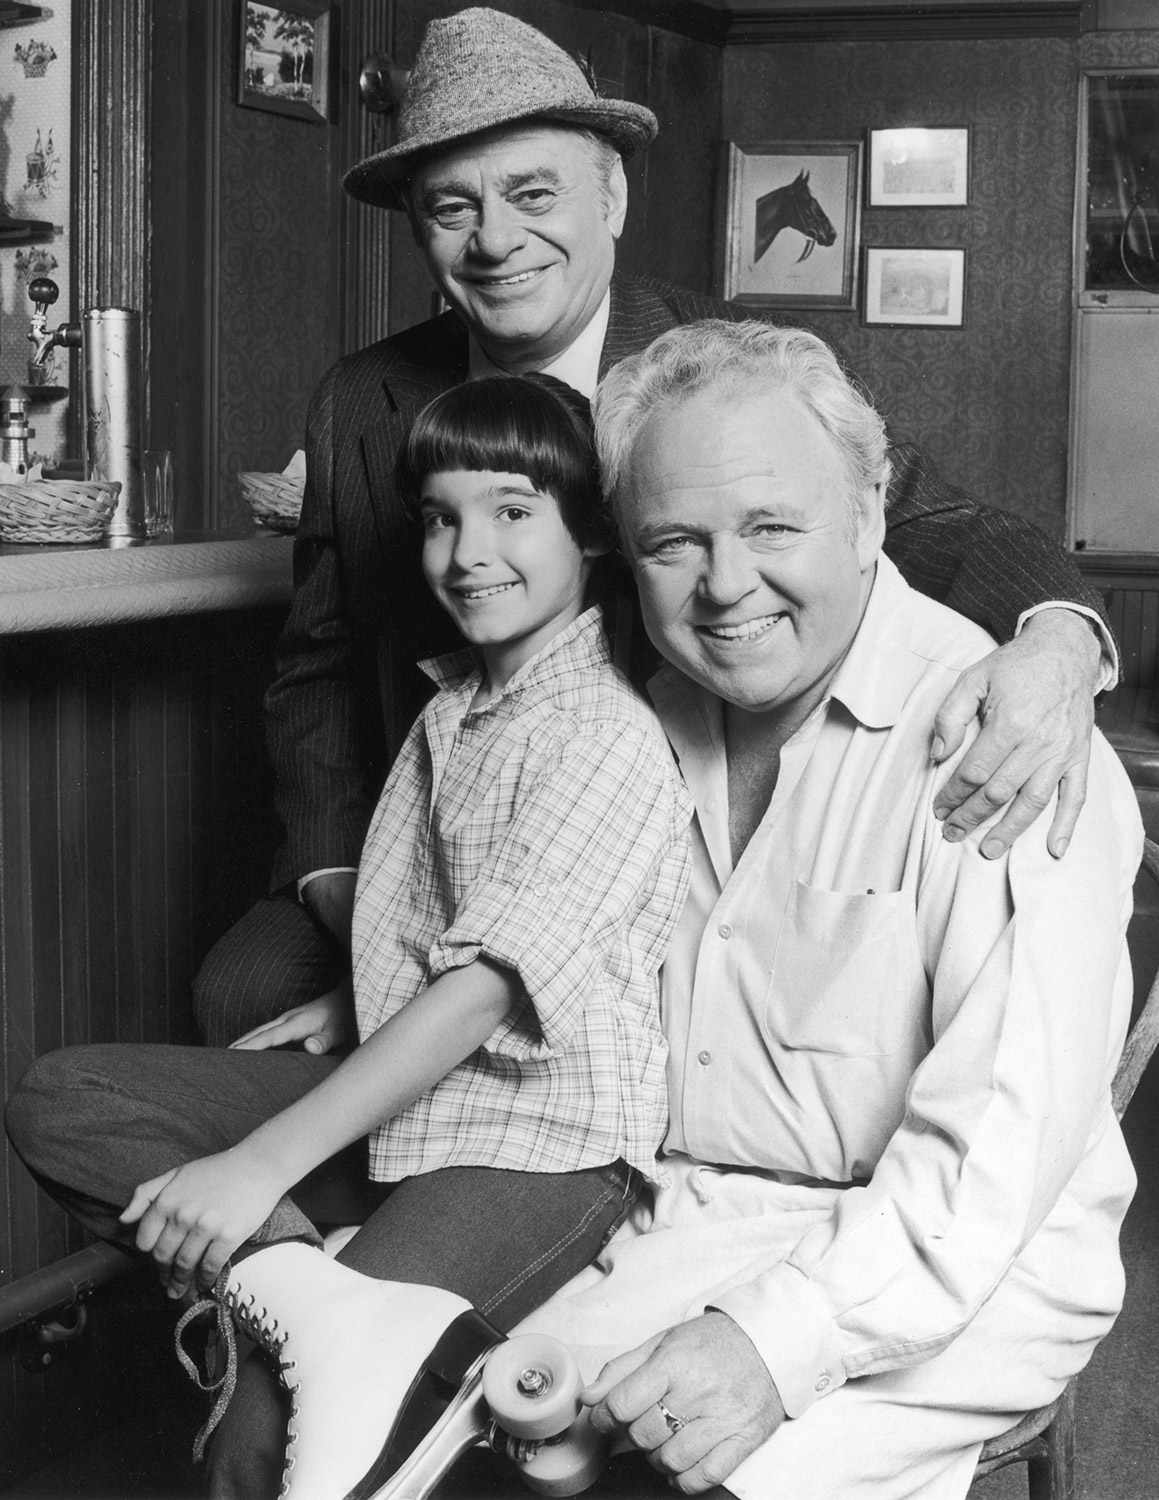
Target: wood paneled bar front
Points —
{"points": [[135, 824]]}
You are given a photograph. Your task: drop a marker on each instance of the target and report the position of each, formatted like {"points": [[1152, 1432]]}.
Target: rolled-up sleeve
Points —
{"points": [[599, 842], [1030, 999]]}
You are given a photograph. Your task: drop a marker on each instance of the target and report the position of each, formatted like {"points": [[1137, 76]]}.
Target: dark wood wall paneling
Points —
{"points": [[135, 825], [261, 272]]}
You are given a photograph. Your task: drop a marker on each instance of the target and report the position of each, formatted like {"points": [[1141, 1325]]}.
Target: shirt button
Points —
{"points": [[823, 1382], [725, 931], [704, 1058]]}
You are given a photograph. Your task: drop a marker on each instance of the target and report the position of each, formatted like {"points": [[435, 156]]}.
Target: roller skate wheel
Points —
{"points": [[569, 1465], [532, 1385]]}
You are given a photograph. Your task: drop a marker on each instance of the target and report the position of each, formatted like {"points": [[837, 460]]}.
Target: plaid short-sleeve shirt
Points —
{"points": [[548, 833]]}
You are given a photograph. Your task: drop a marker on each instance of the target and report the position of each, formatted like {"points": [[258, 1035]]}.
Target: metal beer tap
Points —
{"points": [[110, 338], [43, 292]]}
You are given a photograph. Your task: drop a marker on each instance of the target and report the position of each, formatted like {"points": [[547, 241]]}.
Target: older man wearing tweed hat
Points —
{"points": [[509, 166]]}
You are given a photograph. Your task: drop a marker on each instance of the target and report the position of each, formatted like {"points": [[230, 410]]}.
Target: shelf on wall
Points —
{"points": [[37, 395], [14, 14], [24, 231]]}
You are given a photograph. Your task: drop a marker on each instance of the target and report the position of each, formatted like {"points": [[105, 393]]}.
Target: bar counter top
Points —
{"points": [[79, 587]]}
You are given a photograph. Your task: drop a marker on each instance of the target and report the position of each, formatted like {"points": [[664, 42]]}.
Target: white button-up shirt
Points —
{"points": [[861, 1003]]}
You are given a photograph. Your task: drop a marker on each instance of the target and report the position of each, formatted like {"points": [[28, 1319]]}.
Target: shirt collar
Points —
{"points": [[883, 665], [880, 670], [583, 641], [578, 365]]}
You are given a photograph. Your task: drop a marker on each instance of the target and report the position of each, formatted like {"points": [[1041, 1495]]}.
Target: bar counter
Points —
{"points": [[77, 587], [136, 810]]}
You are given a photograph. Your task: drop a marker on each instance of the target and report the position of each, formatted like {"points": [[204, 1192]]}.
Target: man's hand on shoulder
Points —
{"points": [[707, 1375], [1035, 698]]}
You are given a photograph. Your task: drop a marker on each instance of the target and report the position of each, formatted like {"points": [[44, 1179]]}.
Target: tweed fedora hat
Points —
{"points": [[479, 69]]}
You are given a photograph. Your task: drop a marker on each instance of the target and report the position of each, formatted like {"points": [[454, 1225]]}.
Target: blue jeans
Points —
{"points": [[92, 1122]]}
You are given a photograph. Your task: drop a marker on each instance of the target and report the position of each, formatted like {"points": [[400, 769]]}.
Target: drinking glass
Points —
{"points": [[157, 485]]}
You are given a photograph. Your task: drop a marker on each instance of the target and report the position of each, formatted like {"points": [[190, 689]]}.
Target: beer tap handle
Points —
{"points": [[43, 292]]}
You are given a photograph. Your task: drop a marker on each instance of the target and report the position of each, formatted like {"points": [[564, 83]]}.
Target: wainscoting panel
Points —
{"points": [[135, 824], [1130, 714]]}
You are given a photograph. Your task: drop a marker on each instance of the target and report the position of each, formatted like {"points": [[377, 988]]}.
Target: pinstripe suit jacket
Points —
{"points": [[346, 688]]}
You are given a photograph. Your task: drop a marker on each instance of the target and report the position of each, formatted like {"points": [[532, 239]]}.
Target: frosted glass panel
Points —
{"points": [[1115, 457]]}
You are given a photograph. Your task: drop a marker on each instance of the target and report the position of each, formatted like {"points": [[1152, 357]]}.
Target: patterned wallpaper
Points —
{"points": [[988, 402], [35, 131]]}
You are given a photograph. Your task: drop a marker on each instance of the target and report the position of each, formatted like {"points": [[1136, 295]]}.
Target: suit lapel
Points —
{"points": [[636, 316], [408, 386]]}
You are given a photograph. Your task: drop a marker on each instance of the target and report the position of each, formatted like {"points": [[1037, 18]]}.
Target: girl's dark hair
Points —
{"points": [[514, 424]]}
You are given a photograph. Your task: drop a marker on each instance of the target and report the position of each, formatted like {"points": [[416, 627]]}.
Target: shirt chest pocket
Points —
{"points": [[846, 977]]}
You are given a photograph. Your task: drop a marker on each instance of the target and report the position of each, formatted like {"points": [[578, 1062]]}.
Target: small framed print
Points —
{"points": [[791, 223], [917, 168], [914, 288], [284, 58]]}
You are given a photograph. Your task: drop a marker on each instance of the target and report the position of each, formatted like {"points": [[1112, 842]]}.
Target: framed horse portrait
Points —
{"points": [[791, 223]]}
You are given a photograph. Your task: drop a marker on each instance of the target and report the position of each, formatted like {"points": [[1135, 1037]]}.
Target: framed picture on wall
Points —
{"points": [[918, 288], [791, 223], [284, 58], [918, 168]]}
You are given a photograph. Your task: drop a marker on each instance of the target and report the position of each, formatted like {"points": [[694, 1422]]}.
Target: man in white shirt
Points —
{"points": [[893, 1181]]}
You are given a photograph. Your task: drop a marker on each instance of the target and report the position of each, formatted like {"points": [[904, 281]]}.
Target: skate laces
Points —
{"points": [[213, 1304], [231, 1310]]}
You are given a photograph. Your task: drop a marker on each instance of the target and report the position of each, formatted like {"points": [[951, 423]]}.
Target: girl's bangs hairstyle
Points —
{"points": [[512, 424]]}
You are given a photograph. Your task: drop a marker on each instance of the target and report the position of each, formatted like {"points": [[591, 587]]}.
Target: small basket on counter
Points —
{"points": [[275, 500], [57, 510]]}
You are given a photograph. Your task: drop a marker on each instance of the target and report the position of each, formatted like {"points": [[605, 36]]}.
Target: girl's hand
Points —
{"points": [[192, 1219], [319, 1026]]}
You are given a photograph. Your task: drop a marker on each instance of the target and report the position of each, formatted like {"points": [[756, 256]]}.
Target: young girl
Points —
{"points": [[518, 886]]}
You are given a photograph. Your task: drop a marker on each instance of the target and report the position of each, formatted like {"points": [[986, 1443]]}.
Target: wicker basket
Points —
{"points": [[274, 499], [57, 510]]}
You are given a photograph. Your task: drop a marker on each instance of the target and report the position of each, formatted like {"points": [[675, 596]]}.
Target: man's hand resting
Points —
{"points": [[708, 1373], [319, 1026], [329, 899], [1035, 697]]}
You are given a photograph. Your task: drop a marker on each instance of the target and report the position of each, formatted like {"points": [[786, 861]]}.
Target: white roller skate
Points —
{"points": [[390, 1383]]}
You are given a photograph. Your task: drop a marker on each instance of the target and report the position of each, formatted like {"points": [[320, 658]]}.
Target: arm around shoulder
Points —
{"points": [[988, 564]]}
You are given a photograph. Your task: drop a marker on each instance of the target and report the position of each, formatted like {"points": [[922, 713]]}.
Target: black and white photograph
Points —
{"points": [[579, 750], [914, 167], [925, 288]]}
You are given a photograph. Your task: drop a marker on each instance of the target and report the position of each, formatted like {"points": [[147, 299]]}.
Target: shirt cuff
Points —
{"points": [[329, 870], [1109, 674], [785, 1316]]}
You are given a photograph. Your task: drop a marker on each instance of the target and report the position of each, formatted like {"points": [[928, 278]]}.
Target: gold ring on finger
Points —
{"points": [[675, 1424]]}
